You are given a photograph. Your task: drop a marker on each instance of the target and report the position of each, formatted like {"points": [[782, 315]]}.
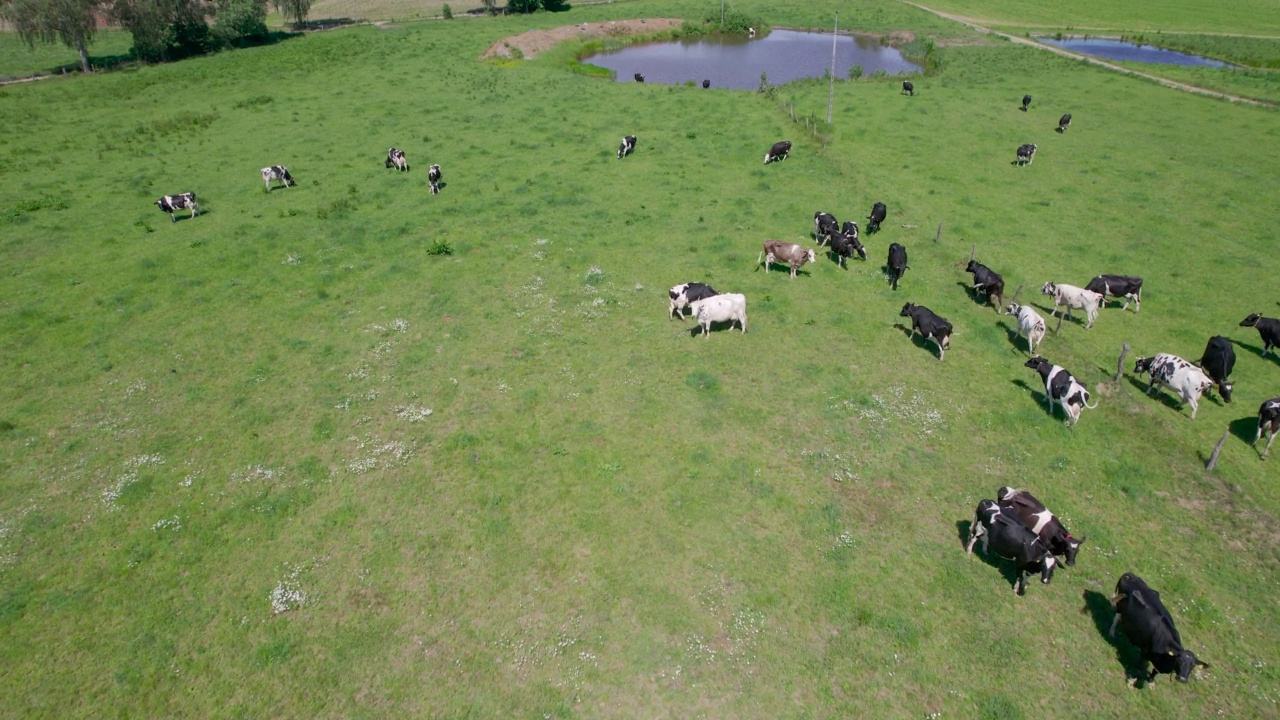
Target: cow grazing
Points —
{"points": [[1073, 297], [1002, 531], [877, 216], [897, 263], [433, 177], [1269, 421], [1268, 328], [845, 246], [1064, 122], [1150, 628], [1218, 360], [639, 77], [1119, 286], [627, 146], [825, 225], [684, 295], [1036, 516], [706, 84], [779, 151], [849, 229], [1026, 102], [932, 327], [1060, 387], [721, 308], [172, 203], [397, 160], [1177, 374], [909, 88], [1026, 153], [783, 252], [988, 282], [277, 173], [1029, 323]]}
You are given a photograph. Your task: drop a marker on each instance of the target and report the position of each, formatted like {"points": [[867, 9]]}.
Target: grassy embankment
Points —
{"points": [[602, 516]]}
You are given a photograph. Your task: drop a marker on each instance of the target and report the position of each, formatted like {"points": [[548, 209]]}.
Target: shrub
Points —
{"points": [[447, 12], [440, 247], [855, 72]]}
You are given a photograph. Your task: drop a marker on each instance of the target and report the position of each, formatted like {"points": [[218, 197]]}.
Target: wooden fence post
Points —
{"points": [[938, 237], [1213, 459], [1120, 363]]}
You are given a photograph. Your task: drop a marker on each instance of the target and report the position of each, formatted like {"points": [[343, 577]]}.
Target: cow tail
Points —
{"points": [[1086, 401]]}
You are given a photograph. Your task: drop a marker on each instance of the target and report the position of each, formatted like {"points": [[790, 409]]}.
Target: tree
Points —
{"points": [[164, 29], [240, 20], [293, 10], [522, 6], [554, 5], [71, 22]]}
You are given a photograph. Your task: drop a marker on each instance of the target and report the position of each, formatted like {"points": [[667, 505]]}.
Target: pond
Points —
{"points": [[1133, 52], [736, 61]]}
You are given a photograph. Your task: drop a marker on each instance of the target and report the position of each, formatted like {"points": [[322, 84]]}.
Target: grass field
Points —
{"points": [[1236, 17], [288, 459]]}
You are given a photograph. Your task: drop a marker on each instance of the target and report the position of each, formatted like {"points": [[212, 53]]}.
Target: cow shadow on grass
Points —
{"points": [[1006, 568], [919, 340], [1272, 356], [696, 330], [785, 268], [1246, 428], [1037, 394], [1098, 607], [1168, 399], [833, 257], [1019, 343], [977, 296], [1051, 318]]}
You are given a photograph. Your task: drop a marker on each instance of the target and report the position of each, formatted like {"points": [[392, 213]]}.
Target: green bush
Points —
{"points": [[440, 247], [855, 72], [447, 12]]}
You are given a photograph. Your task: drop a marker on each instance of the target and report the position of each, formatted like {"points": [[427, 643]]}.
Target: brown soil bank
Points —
{"points": [[535, 41]]}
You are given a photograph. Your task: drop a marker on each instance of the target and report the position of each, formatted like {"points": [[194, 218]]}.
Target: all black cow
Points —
{"points": [[909, 88], [173, 203], [1042, 522], [845, 247], [706, 84], [1218, 360], [779, 151], [1268, 328], [638, 77], [1026, 102], [1119, 286], [878, 213], [1064, 122], [1002, 531], [627, 146], [1150, 628], [897, 263], [987, 282], [932, 327]]}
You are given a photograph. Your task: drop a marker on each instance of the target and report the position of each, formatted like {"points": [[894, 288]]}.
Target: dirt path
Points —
{"points": [[535, 41], [1101, 63]]}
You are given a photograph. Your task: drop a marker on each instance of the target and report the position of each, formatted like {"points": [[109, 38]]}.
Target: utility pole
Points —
{"points": [[831, 94]]}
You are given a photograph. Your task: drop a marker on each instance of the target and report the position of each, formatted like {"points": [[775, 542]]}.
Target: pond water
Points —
{"points": [[736, 62], [1119, 50]]}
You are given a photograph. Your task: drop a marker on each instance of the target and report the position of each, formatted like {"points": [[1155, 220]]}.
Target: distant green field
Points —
{"points": [[1238, 17], [19, 60], [349, 449]]}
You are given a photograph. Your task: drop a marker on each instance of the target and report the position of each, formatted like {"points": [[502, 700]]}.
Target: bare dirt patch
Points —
{"points": [[535, 41]]}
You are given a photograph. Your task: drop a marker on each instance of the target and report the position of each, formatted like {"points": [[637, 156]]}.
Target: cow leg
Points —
{"points": [[1020, 585], [743, 321], [1114, 623], [173, 217], [1268, 447], [1059, 327], [1194, 407]]}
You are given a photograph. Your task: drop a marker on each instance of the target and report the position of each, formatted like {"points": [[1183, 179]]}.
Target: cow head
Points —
{"points": [[1251, 321], [1143, 365], [1004, 493], [972, 266], [811, 256], [1013, 309], [1186, 663], [1073, 549], [1225, 389], [160, 204], [288, 179], [1049, 289], [906, 312], [1035, 362]]}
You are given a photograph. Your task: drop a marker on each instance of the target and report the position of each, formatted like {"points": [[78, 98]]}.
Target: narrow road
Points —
{"points": [[1102, 63]]}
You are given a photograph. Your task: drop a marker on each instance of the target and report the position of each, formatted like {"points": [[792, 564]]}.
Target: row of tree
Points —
{"points": [[161, 29]]}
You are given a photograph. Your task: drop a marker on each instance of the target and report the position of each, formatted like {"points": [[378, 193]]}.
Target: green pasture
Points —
{"points": [[1235, 17], [349, 449]]}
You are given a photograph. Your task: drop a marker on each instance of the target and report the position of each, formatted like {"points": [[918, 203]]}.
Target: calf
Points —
{"points": [[684, 295], [1073, 297], [1002, 530], [1268, 420], [397, 160], [1029, 323], [909, 88], [721, 308], [172, 203], [1150, 628], [626, 147], [1125, 286], [844, 247], [1060, 387], [433, 177], [932, 327], [1064, 122], [877, 216], [277, 173], [789, 253], [1036, 516], [1268, 328], [988, 282], [779, 151], [1218, 360], [897, 263], [1026, 153], [638, 77], [1026, 102], [1177, 374], [825, 225]]}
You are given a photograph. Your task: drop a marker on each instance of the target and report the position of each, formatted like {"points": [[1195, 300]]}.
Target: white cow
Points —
{"points": [[721, 308], [1029, 323], [1178, 375], [1073, 297]]}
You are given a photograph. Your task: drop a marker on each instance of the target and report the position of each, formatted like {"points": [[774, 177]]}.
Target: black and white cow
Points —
{"points": [[825, 225], [1029, 323], [627, 146], [1002, 531], [878, 213], [1064, 122], [1073, 297], [897, 263], [1060, 387], [1218, 360], [397, 160], [433, 177], [1026, 153], [172, 203], [932, 327], [792, 254], [706, 84], [638, 77], [1042, 522], [277, 173], [1026, 102], [1269, 421], [1119, 286], [909, 88], [1268, 328], [686, 294], [845, 247], [1149, 627], [849, 229], [1177, 374], [988, 282], [779, 151]]}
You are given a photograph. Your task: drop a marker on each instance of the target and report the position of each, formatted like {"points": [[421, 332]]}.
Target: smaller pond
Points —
{"points": [[1120, 50], [736, 62]]}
